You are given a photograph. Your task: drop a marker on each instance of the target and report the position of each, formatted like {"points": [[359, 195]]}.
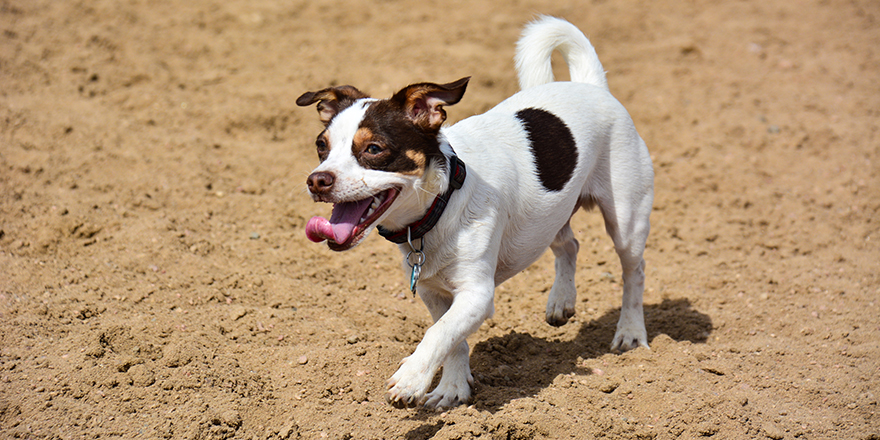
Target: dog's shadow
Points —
{"points": [[517, 364]]}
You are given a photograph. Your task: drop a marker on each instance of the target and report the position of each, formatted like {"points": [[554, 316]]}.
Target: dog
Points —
{"points": [[472, 204]]}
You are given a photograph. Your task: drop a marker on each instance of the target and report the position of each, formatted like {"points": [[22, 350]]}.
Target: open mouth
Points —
{"points": [[350, 221]]}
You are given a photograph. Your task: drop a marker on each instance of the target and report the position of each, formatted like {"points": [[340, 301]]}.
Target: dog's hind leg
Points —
{"points": [[561, 301], [631, 331], [627, 222]]}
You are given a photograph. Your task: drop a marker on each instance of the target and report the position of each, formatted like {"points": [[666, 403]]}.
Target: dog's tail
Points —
{"points": [[538, 41]]}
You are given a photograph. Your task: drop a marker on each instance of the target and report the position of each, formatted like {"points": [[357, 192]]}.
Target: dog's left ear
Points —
{"points": [[423, 103], [331, 100]]}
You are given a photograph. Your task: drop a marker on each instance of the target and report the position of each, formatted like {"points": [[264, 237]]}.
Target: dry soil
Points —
{"points": [[156, 281]]}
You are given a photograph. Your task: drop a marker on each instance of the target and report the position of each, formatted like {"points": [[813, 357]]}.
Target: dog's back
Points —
{"points": [[546, 150]]}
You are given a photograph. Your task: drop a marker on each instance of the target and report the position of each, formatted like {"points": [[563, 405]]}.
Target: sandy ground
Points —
{"points": [[156, 281]]}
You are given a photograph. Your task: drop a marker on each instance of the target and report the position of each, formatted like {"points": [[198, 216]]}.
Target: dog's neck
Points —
{"points": [[420, 227]]}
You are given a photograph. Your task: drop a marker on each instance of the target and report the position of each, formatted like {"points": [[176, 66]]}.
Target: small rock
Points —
{"points": [[141, 375], [609, 386], [773, 431], [302, 360], [237, 312]]}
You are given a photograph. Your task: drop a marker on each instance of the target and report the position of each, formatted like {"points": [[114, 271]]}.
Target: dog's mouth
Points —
{"points": [[350, 221]]}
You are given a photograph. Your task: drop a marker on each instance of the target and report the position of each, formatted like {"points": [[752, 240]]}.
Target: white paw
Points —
{"points": [[560, 307], [628, 337], [454, 389], [408, 385]]}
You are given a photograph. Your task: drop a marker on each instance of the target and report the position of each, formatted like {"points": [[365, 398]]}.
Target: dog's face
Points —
{"points": [[378, 158]]}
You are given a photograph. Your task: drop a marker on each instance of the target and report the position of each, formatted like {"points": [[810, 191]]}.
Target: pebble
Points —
{"points": [[772, 431], [302, 360], [609, 387]]}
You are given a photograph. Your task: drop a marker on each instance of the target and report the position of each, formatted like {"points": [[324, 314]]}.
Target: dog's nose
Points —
{"points": [[320, 182]]}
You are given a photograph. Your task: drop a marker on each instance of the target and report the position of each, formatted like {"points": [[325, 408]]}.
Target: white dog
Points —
{"points": [[473, 204]]}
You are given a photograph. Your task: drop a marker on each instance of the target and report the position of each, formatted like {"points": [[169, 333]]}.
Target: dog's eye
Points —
{"points": [[322, 148], [373, 149]]}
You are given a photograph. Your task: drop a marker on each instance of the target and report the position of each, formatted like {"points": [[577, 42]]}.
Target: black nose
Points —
{"points": [[320, 182]]}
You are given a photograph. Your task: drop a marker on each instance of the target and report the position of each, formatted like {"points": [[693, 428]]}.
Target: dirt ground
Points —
{"points": [[156, 281]]}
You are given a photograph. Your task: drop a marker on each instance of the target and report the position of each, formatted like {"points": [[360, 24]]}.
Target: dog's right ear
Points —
{"points": [[331, 100]]}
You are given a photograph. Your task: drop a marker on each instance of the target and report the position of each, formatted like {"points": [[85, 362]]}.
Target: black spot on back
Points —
{"points": [[552, 146]]}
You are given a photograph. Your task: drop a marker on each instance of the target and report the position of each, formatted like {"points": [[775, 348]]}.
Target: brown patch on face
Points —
{"points": [[362, 137], [389, 141], [418, 157]]}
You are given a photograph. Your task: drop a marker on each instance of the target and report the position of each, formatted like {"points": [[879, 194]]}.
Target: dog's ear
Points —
{"points": [[423, 103], [331, 100]]}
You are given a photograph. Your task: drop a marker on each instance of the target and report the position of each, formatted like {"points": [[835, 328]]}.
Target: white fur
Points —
{"points": [[538, 41], [502, 219]]}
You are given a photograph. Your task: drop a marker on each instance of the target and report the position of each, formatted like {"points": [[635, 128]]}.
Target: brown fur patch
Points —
{"points": [[418, 157], [405, 147], [362, 137]]}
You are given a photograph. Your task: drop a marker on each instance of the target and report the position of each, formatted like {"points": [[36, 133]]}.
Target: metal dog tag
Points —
{"points": [[415, 259], [414, 277]]}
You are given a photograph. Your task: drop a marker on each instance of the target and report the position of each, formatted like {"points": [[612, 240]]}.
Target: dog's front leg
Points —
{"points": [[456, 382], [444, 343]]}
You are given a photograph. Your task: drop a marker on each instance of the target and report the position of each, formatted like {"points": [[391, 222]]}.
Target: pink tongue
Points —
{"points": [[342, 222]]}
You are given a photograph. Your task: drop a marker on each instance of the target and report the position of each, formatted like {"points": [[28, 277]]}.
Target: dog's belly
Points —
{"points": [[507, 269], [523, 244]]}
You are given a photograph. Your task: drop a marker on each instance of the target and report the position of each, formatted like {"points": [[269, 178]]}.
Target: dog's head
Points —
{"points": [[382, 161]]}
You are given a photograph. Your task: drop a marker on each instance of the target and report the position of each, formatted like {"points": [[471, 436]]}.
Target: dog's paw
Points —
{"points": [[407, 386], [628, 338], [398, 400], [454, 389], [558, 318], [560, 302]]}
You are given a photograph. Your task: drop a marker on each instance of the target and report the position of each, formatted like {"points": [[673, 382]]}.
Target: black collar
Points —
{"points": [[417, 229]]}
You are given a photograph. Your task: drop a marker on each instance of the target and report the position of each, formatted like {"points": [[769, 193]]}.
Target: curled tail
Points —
{"points": [[538, 41]]}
